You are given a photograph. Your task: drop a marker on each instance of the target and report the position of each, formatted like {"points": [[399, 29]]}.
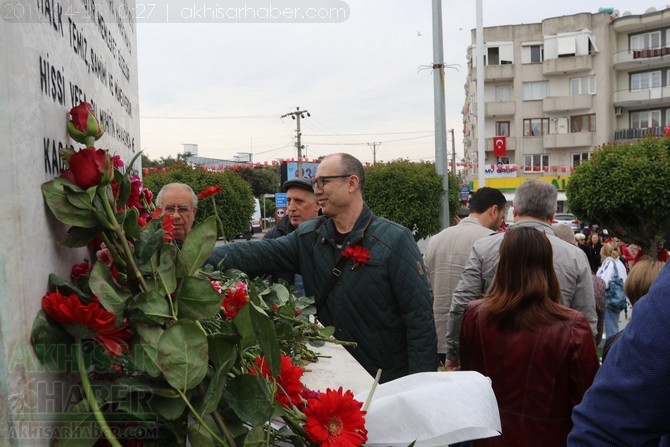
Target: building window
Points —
{"points": [[503, 160], [583, 86], [645, 118], [503, 93], [535, 127], [535, 162], [645, 41], [502, 128], [500, 55], [583, 123], [532, 54], [645, 81], [579, 158], [535, 90]]}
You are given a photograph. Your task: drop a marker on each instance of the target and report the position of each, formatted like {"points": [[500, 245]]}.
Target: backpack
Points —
{"points": [[615, 300]]}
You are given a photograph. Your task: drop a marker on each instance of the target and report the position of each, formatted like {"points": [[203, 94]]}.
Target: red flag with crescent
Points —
{"points": [[499, 146]]}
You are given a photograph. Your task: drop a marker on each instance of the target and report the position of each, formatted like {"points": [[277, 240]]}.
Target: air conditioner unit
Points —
{"points": [[618, 111]]}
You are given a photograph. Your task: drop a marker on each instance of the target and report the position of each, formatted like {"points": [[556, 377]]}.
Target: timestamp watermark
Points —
{"points": [[175, 11]]}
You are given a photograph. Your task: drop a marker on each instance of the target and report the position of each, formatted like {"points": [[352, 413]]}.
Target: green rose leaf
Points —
{"points": [[149, 241], [256, 327], [166, 269], [57, 200], [130, 225], [64, 286], [197, 299], [80, 237], [102, 285], [153, 306], [168, 408], [80, 198], [218, 383], [46, 336], [255, 437], [198, 436], [223, 348], [182, 355], [145, 352], [250, 398], [199, 244]]}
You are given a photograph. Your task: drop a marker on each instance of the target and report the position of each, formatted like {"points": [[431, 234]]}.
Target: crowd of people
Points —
{"points": [[528, 307]]}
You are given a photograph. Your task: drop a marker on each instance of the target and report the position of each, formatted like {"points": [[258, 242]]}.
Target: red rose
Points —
{"points": [[83, 126], [89, 167]]}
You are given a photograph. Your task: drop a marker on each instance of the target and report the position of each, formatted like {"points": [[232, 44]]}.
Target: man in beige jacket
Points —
{"points": [[448, 251]]}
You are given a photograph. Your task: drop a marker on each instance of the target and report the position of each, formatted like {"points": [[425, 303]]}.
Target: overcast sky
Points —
{"points": [[362, 73]]}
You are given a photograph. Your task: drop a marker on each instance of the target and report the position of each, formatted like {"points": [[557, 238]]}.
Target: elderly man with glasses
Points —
{"points": [[366, 273], [179, 200]]}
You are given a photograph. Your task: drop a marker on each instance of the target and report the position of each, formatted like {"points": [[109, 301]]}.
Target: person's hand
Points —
{"points": [[452, 365]]}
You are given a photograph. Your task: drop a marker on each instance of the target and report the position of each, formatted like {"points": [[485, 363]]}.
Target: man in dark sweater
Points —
{"points": [[301, 206]]}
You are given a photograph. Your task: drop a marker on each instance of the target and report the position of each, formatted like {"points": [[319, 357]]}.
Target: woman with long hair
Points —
{"points": [[539, 354]]}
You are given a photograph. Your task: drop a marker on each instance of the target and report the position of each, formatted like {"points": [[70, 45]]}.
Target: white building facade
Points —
{"points": [[558, 89]]}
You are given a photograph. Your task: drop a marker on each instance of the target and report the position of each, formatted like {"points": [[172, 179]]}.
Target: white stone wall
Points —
{"points": [[53, 54]]}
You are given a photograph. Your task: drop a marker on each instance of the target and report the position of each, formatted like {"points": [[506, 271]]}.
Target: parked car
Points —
{"points": [[255, 223], [568, 219]]}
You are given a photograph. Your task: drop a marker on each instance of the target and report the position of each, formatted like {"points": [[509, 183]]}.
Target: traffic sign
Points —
{"points": [[280, 200], [280, 213]]}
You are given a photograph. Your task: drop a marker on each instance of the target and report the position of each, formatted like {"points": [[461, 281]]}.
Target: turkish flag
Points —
{"points": [[499, 146]]}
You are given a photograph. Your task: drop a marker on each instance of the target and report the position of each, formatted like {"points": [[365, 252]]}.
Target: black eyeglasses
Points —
{"points": [[320, 181]]}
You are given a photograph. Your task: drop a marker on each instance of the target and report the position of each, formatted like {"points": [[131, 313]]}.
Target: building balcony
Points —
{"points": [[565, 103], [641, 22], [567, 65], [504, 108], [568, 140], [642, 59], [635, 134], [653, 96], [492, 73]]}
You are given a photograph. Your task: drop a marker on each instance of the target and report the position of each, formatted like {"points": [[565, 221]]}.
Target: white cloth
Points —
{"points": [[433, 409]]}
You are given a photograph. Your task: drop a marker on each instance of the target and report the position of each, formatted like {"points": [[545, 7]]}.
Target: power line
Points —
{"points": [[362, 144], [364, 134], [206, 117]]}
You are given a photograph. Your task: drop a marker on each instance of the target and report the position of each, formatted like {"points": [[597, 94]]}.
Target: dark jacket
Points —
{"points": [[627, 405], [537, 376], [385, 306], [283, 228]]}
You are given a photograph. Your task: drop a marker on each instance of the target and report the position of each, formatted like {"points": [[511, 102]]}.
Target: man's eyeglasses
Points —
{"points": [[324, 179], [170, 209]]}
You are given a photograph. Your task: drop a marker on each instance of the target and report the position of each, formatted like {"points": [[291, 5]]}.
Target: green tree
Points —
{"points": [[234, 204], [262, 180], [410, 194], [624, 188]]}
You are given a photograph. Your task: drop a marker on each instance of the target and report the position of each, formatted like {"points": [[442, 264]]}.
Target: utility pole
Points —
{"points": [[453, 153], [374, 151], [296, 116], [439, 110]]}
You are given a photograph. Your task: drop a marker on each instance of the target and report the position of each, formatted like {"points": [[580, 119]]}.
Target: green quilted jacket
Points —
{"points": [[385, 305]]}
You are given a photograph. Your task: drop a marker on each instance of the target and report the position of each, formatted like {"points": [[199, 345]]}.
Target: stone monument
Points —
{"points": [[54, 54]]}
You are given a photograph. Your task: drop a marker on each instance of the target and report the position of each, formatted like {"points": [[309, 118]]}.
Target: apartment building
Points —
{"points": [[558, 89]]}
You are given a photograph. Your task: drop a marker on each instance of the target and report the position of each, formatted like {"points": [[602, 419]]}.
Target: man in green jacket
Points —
{"points": [[366, 273]]}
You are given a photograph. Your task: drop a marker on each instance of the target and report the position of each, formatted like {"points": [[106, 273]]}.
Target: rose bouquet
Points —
{"points": [[162, 351]]}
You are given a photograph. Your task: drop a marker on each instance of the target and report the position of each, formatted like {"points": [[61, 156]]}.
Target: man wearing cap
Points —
{"points": [[301, 206]]}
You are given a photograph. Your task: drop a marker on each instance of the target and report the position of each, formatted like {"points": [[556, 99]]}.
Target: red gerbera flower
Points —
{"points": [[168, 227], [210, 192], [359, 254], [289, 388], [336, 419], [235, 299], [87, 321]]}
